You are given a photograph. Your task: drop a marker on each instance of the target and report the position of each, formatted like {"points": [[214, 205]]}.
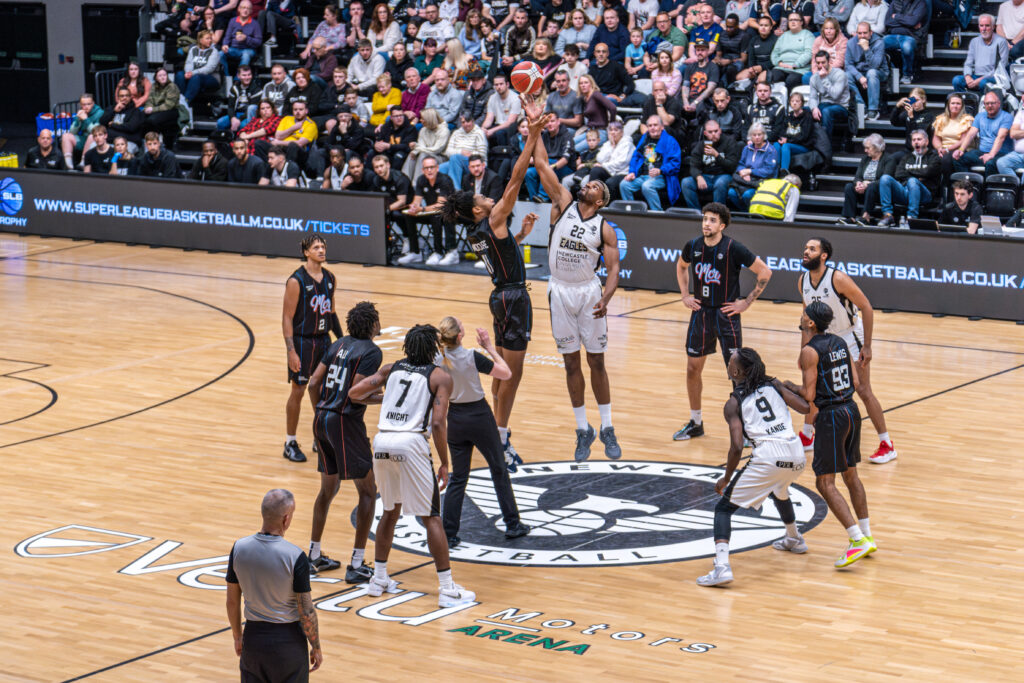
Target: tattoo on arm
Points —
{"points": [[307, 616], [756, 292]]}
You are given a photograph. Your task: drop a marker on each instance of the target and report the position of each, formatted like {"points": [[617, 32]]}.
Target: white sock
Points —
{"points": [[855, 533], [289, 439], [808, 430], [380, 570], [357, 557], [865, 526], [884, 438], [581, 417], [695, 416], [792, 531], [503, 433], [721, 554], [69, 161], [314, 549], [445, 579], [606, 415]]}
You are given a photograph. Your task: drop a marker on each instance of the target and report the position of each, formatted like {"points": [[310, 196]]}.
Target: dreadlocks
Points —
{"points": [[458, 208], [361, 320], [421, 344], [753, 371]]}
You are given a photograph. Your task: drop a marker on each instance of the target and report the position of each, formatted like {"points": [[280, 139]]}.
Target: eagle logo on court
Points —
{"points": [[606, 513]]}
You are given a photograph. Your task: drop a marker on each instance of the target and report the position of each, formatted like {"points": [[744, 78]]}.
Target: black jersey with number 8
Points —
{"points": [[715, 271]]}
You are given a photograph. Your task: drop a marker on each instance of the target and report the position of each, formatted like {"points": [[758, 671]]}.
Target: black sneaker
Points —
{"points": [[689, 431], [453, 541], [294, 453], [360, 574], [886, 222], [846, 221], [516, 531], [322, 564]]}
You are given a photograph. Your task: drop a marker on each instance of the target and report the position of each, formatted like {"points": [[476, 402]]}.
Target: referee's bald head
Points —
{"points": [[276, 504]]}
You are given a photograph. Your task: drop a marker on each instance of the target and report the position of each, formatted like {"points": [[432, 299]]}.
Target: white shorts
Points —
{"points": [[774, 466], [572, 317], [854, 338], [405, 474]]}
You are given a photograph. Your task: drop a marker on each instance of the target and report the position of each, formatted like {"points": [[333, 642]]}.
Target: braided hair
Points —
{"points": [[458, 208], [421, 344], [754, 374], [361, 320]]}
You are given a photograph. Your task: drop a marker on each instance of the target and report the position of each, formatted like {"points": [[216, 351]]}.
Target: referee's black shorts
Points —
{"points": [[513, 317], [710, 324], [310, 350], [836, 438], [273, 653], [343, 444]]}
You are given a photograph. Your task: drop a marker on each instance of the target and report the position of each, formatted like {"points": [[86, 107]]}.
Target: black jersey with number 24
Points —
{"points": [[835, 374], [313, 309], [715, 271], [503, 258], [347, 358]]}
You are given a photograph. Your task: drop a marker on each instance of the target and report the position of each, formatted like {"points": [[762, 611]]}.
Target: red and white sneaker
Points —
{"points": [[807, 441], [884, 454]]}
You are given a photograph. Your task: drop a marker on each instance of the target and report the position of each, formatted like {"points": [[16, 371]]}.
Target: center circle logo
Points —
{"points": [[11, 197], [606, 513]]}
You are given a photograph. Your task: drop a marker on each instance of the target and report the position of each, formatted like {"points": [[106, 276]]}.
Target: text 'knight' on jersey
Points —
{"points": [[408, 400]]}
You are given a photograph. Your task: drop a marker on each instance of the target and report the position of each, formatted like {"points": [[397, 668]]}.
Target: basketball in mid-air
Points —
{"points": [[527, 78]]}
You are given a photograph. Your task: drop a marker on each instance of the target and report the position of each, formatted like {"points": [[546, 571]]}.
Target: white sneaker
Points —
{"points": [[794, 545], [722, 573], [450, 259], [434, 259], [376, 587], [456, 595], [405, 246], [480, 265], [410, 258]]}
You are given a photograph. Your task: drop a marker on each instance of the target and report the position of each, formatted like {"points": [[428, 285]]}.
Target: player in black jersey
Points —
{"points": [[510, 301], [829, 381], [307, 317], [713, 261], [343, 447]]}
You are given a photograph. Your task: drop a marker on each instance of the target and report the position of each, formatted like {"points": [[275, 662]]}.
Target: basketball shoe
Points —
{"points": [[857, 550], [794, 545], [360, 574], [722, 573], [873, 546], [884, 454], [690, 430], [322, 564], [611, 443], [584, 437], [807, 441], [376, 587], [293, 452], [456, 595]]}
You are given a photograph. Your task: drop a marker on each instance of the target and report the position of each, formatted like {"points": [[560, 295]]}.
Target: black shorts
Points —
{"points": [[310, 350], [709, 324], [836, 439], [344, 447], [513, 318]]}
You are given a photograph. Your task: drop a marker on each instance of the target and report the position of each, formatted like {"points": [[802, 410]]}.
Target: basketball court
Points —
{"points": [[142, 418]]}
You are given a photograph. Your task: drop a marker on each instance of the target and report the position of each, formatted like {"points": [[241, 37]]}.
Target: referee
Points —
{"points": [[279, 615], [471, 423]]}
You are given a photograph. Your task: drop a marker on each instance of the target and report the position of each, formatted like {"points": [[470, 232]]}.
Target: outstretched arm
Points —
{"points": [[503, 207], [560, 196]]}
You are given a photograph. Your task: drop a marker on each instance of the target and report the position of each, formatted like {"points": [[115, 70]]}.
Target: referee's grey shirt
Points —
{"points": [[466, 368], [270, 571]]}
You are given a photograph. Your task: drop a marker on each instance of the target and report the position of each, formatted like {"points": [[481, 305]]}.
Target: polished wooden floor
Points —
{"points": [[142, 391]]}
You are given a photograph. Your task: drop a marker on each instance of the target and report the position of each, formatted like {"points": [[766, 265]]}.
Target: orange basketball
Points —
{"points": [[527, 78]]}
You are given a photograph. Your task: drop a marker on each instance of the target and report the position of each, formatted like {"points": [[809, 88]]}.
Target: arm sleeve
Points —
{"points": [[484, 365], [231, 576], [300, 576]]}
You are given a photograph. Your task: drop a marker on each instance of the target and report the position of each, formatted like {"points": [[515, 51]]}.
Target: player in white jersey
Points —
{"points": [[579, 308], [758, 409], [853, 321], [414, 407]]}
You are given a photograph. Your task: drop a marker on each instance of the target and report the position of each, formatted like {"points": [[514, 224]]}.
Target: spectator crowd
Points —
{"points": [[676, 102]]}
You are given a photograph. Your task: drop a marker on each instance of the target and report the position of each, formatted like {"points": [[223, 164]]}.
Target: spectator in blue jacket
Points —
{"points": [[906, 23], [613, 34], [758, 161], [243, 36], [655, 165], [866, 68]]}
